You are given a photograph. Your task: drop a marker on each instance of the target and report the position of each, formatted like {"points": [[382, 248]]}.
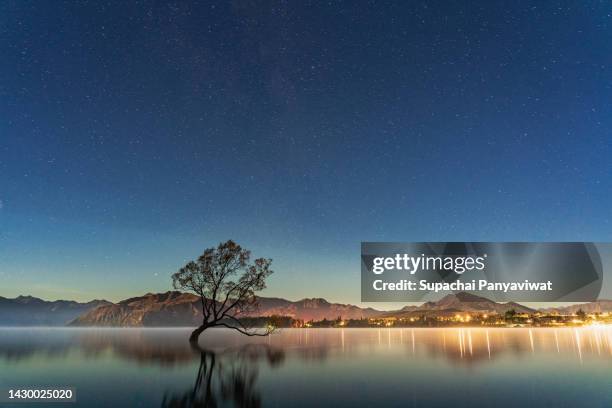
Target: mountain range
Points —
{"points": [[183, 309], [459, 302], [599, 306], [32, 311]]}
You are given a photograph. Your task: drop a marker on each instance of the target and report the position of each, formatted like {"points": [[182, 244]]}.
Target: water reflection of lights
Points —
{"points": [[465, 345], [489, 343]]}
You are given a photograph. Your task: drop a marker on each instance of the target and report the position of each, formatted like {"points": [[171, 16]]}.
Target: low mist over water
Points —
{"points": [[306, 367]]}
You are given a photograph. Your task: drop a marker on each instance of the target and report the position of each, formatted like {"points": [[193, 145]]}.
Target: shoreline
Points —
{"points": [[586, 326]]}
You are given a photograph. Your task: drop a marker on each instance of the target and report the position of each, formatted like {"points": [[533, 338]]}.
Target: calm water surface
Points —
{"points": [[314, 367]]}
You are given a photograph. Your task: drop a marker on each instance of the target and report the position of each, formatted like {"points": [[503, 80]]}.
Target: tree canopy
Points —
{"points": [[226, 280]]}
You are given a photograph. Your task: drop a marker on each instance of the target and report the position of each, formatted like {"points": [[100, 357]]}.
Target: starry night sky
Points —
{"points": [[134, 136]]}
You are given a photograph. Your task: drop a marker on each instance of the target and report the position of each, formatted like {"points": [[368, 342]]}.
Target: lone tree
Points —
{"points": [[226, 282]]}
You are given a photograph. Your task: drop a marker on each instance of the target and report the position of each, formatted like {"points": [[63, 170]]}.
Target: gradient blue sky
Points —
{"points": [[134, 136]]}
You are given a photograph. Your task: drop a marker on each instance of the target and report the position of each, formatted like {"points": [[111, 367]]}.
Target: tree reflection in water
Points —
{"points": [[227, 378]]}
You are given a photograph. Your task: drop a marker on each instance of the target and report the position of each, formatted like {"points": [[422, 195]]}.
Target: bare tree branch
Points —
{"points": [[226, 283], [245, 332]]}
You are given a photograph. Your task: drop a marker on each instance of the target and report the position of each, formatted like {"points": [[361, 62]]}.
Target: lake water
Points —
{"points": [[314, 367]]}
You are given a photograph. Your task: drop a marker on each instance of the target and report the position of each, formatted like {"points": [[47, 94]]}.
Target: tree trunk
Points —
{"points": [[196, 333]]}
